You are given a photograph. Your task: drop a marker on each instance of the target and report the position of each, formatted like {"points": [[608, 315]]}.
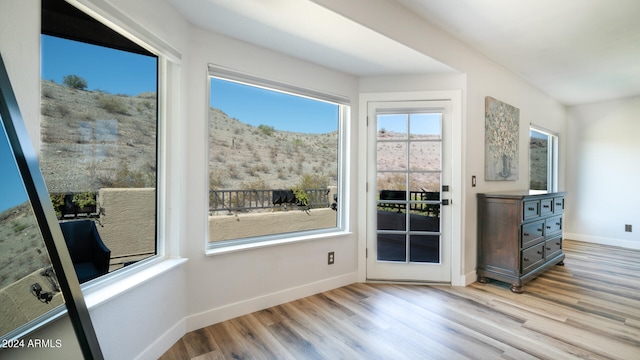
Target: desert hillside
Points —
{"points": [[23, 250], [92, 139], [249, 157]]}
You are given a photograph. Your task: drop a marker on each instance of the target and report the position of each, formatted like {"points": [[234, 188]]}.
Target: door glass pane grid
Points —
{"points": [[392, 127], [424, 221], [425, 126], [394, 155], [424, 155], [424, 248], [413, 163]]}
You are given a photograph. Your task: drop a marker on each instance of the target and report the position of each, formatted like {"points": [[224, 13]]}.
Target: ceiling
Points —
{"points": [[308, 31], [577, 51]]}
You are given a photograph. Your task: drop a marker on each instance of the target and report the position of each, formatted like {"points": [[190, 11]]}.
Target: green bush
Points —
{"points": [[266, 129], [126, 178], [18, 226], [74, 82], [57, 200], [84, 199], [113, 104], [301, 195], [313, 181]]}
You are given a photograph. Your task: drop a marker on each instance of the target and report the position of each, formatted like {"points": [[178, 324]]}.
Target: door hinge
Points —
{"points": [[367, 121], [366, 253], [366, 188], [446, 202]]}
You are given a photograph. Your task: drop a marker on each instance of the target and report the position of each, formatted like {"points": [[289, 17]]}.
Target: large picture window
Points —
{"points": [[98, 143], [274, 162]]}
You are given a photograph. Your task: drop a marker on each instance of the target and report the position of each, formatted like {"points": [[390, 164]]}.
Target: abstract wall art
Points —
{"points": [[502, 130]]}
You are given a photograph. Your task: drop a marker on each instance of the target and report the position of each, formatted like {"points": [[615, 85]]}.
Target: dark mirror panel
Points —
{"points": [[29, 287], [37, 278]]}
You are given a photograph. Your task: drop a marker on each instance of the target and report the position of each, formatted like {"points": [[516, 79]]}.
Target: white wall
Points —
{"points": [[483, 78], [20, 49], [224, 286], [603, 172], [127, 325]]}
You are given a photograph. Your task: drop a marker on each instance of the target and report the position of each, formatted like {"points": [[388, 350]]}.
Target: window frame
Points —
{"points": [[552, 157], [169, 59], [343, 103]]}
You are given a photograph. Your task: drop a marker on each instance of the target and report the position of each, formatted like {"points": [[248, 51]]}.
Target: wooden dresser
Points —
{"points": [[519, 235]]}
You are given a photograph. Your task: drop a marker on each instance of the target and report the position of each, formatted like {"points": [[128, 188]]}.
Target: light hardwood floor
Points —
{"points": [[589, 309]]}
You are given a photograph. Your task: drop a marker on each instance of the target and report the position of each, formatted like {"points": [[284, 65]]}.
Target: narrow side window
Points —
{"points": [[543, 156]]}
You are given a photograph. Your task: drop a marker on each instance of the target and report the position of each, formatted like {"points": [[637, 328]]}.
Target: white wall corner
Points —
{"points": [[164, 342], [469, 278]]}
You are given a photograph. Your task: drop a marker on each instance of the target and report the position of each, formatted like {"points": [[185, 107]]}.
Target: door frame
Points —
{"points": [[456, 190]]}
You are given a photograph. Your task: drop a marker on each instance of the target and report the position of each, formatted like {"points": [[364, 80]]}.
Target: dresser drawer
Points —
{"points": [[546, 206], [553, 225], [531, 210], [532, 257], [552, 247], [558, 205], [532, 233]]}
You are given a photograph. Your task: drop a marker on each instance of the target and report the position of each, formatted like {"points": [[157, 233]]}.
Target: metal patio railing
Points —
{"points": [[245, 200]]}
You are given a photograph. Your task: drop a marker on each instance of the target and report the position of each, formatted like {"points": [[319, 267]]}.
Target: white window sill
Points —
{"points": [[124, 280], [273, 242]]}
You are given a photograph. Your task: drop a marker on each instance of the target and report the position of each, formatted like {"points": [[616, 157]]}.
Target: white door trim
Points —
{"points": [[456, 193]]}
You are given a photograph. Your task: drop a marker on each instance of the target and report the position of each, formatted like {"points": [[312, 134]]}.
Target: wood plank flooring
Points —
{"points": [[587, 309]]}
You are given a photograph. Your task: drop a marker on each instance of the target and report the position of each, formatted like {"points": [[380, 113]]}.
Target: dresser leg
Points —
{"points": [[561, 263], [483, 279], [516, 288]]}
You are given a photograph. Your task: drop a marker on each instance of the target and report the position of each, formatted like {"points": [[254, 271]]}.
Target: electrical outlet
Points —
{"points": [[627, 228], [330, 258]]}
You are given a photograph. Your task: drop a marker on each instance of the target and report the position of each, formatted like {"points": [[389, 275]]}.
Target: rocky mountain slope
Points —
{"points": [[90, 139]]}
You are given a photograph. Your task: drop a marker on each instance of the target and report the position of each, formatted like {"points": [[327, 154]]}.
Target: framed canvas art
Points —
{"points": [[502, 130]]}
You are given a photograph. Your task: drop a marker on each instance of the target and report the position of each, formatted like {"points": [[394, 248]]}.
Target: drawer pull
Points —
{"points": [[539, 252], [539, 230], [531, 209], [545, 206], [558, 243], [548, 227], [548, 248], [526, 234], [558, 223], [526, 259]]}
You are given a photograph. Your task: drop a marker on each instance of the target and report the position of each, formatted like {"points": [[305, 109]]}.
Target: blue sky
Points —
{"points": [[13, 192], [256, 106], [121, 72], [420, 123], [105, 69], [537, 134]]}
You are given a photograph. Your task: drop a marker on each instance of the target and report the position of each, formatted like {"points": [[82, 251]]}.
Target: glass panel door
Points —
{"points": [[408, 179]]}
